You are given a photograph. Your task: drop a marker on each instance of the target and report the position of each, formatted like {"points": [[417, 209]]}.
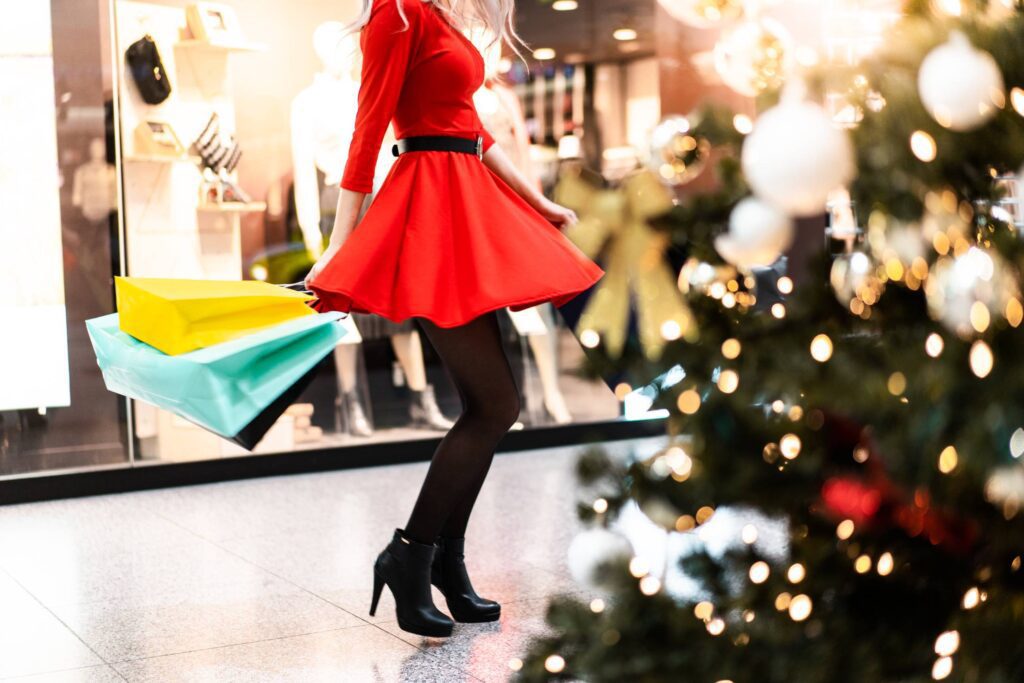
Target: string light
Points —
{"points": [[1017, 100], [821, 348], [597, 605], [554, 664], [622, 390], [688, 402], [728, 381], [981, 359], [731, 348], [785, 285], [749, 534], [759, 572], [947, 643], [600, 506], [948, 459], [923, 146], [779, 311], [590, 338], [885, 564], [942, 668], [897, 383], [649, 585], [743, 124], [782, 601], [862, 565], [971, 598], [790, 446], [1017, 443], [638, 567], [934, 345], [704, 514], [703, 610], [845, 529], [796, 573], [671, 330], [800, 608], [716, 627]]}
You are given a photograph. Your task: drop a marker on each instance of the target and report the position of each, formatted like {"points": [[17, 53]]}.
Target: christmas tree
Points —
{"points": [[868, 404]]}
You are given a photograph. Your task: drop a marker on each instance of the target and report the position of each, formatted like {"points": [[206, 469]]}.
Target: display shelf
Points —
{"points": [[234, 207], [204, 46], [155, 159]]}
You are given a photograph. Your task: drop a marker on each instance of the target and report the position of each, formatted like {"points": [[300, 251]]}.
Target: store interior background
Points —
{"points": [[153, 227]]}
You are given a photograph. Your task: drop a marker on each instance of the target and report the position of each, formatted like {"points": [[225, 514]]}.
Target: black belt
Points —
{"points": [[440, 143]]}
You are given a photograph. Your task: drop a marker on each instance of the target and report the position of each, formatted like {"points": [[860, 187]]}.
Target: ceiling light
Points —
{"points": [[624, 34]]}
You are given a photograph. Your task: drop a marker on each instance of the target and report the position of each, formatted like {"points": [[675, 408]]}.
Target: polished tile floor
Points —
{"points": [[269, 579]]}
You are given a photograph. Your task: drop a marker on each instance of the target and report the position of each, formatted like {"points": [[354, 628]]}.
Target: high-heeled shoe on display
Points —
{"points": [[448, 573], [404, 566], [350, 415], [424, 411]]}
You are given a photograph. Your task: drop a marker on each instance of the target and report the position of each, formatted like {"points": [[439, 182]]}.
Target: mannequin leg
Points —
{"points": [[410, 355], [345, 357], [423, 410], [547, 368], [475, 359]]}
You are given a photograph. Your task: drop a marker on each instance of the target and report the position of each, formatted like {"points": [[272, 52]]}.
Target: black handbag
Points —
{"points": [[148, 70]]}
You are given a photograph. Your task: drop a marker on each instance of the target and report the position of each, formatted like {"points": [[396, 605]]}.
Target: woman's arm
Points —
{"points": [[496, 160], [349, 203]]}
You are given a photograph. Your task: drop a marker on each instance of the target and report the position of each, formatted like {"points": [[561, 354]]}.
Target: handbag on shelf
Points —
{"points": [[148, 70]]}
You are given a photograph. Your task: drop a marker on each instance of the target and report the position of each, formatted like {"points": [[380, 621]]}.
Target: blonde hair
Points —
{"points": [[494, 17]]}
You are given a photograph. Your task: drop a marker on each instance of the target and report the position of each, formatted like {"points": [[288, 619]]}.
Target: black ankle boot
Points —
{"points": [[448, 573], [405, 567]]}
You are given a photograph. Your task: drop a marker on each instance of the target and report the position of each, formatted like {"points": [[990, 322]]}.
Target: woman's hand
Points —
{"points": [[559, 215], [320, 264]]}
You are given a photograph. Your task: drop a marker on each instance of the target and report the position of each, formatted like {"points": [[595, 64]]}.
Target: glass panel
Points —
{"points": [[274, 79], [58, 238]]}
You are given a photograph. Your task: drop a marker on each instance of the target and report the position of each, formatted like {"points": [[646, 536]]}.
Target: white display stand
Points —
{"points": [[168, 231]]}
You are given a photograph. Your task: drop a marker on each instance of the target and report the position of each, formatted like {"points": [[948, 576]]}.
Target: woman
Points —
{"points": [[454, 234]]}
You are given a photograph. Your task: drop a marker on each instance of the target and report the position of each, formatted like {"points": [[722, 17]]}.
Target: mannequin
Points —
{"points": [[500, 111], [94, 186], [322, 123]]}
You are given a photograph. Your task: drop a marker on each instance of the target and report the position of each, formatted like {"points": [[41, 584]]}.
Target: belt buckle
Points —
{"points": [[480, 147]]}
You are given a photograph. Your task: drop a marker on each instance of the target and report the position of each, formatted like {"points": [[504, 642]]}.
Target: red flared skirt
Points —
{"points": [[446, 239]]}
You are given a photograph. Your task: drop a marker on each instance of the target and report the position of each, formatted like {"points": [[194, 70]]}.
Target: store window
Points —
{"points": [[59, 237], [207, 140]]}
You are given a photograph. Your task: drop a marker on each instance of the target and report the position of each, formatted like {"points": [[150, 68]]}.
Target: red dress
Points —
{"points": [[445, 238]]}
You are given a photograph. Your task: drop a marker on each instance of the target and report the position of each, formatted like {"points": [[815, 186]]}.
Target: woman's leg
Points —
{"points": [[475, 360]]}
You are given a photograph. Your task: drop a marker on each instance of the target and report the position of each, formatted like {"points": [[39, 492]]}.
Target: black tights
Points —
{"points": [[476, 362]]}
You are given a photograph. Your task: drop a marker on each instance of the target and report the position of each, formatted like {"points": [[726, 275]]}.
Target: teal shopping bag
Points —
{"points": [[222, 387]]}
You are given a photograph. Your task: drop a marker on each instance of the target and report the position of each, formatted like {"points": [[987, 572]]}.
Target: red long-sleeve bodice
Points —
{"points": [[421, 74]]}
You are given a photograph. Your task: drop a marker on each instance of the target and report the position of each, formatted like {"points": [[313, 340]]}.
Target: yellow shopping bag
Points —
{"points": [[178, 316]]}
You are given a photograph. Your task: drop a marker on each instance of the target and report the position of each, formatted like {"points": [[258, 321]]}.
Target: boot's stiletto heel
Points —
{"points": [[404, 565], [378, 588], [448, 573]]}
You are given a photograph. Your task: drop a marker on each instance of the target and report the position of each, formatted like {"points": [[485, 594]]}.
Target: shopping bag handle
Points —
{"points": [[299, 286]]}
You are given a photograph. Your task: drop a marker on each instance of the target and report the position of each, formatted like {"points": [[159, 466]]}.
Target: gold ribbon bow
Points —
{"points": [[614, 222]]}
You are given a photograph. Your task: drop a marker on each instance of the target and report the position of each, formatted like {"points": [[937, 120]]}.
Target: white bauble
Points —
{"points": [[593, 548], [971, 289], [758, 234], [960, 86], [677, 154], [754, 57], [795, 156], [703, 13]]}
